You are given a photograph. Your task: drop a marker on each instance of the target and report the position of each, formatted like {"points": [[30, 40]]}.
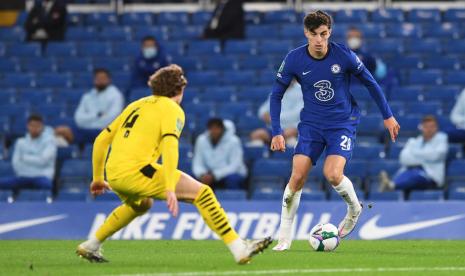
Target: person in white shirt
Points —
{"points": [[97, 109], [457, 117], [423, 160], [292, 104]]}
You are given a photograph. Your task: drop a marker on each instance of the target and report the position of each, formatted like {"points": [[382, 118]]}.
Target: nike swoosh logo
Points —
{"points": [[305, 73], [371, 231], [11, 226]]}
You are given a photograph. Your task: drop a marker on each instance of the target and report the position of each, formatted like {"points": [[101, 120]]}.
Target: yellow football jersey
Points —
{"points": [[139, 130]]}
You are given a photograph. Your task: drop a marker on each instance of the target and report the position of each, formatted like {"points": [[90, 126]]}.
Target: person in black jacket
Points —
{"points": [[227, 21], [46, 21]]}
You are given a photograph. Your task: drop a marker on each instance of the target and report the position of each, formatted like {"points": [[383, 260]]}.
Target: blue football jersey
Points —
{"points": [[325, 84]]}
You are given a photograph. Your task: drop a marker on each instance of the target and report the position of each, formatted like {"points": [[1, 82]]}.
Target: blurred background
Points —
{"points": [[67, 68]]}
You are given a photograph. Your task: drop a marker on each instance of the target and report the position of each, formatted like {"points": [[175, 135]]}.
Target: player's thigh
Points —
{"points": [[310, 144], [187, 188]]}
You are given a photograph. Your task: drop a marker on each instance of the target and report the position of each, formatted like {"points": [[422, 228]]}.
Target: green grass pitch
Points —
{"points": [[212, 258]]}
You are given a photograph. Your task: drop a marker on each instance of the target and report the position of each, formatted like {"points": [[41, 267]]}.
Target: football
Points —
{"points": [[324, 237]]}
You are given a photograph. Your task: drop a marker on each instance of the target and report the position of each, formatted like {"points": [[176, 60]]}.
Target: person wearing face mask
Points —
{"points": [[355, 43], [150, 59], [33, 159], [97, 108], [46, 21]]}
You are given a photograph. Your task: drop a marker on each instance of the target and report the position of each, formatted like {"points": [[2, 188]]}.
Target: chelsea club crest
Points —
{"points": [[335, 68]]}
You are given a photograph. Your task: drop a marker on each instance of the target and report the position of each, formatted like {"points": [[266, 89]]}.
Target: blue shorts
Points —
{"points": [[312, 140]]}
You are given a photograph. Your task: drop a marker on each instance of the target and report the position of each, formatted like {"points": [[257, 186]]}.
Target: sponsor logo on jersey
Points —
{"points": [[325, 92], [335, 68]]}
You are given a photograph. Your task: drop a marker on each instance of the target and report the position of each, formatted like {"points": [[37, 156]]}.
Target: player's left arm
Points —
{"points": [[357, 68]]}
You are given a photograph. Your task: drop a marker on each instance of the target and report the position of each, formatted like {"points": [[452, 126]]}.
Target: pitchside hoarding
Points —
{"points": [[252, 219]]}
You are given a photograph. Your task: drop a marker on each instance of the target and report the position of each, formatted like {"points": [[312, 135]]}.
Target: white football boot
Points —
{"points": [[244, 250], [349, 222], [90, 252]]}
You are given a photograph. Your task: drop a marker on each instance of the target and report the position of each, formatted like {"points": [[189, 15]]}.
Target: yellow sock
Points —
{"points": [[214, 215], [119, 218]]}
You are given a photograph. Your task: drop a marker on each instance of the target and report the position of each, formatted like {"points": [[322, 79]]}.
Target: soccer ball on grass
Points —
{"points": [[324, 237]]}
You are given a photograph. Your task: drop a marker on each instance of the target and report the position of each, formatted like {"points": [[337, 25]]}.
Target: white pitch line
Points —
{"points": [[305, 271]]}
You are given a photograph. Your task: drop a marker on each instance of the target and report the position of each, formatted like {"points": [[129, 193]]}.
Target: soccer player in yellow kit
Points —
{"points": [[147, 129]]}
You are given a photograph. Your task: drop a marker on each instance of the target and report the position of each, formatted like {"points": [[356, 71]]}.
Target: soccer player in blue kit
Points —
{"points": [[328, 120]]}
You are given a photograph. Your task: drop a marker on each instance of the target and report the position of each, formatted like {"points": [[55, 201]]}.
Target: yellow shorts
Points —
{"points": [[132, 189]]}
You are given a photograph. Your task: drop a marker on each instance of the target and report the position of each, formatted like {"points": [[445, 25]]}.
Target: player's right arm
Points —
{"points": [[99, 155], [283, 79]]}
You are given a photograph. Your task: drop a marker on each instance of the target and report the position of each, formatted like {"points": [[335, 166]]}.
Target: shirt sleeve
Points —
{"points": [[285, 74], [356, 66], [173, 123]]}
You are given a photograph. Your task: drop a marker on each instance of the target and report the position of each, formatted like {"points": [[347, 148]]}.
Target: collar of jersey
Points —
{"points": [[318, 59]]}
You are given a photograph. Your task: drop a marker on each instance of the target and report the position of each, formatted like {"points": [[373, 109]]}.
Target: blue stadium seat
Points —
{"points": [[6, 196], [290, 31], [424, 46], [217, 94], [75, 64], [408, 62], [370, 125], [198, 108], [274, 195], [224, 63], [6, 169], [53, 80], [388, 15], [9, 65], [23, 80], [425, 77], [14, 34], [445, 63], [61, 49], [454, 15], [205, 47], [38, 65], [352, 16], [368, 152], [253, 17], [457, 194], [406, 93], [173, 18], [81, 34], [261, 32], [286, 155], [271, 168], [204, 78], [386, 196], [455, 46], [444, 30], [101, 19], [280, 16], [139, 93], [189, 63], [372, 31], [111, 63], [71, 196], [75, 19], [50, 110], [200, 18], [447, 93], [186, 166], [115, 33], [185, 33], [137, 19], [175, 47], [245, 47], [266, 77], [160, 33], [34, 96], [121, 79], [94, 48], [8, 96], [454, 78], [34, 195], [75, 173], [275, 47], [14, 111], [246, 124], [252, 153], [235, 77], [23, 50], [390, 166], [426, 195], [389, 46], [425, 108], [256, 94], [107, 196], [410, 124], [313, 196], [424, 15], [254, 63], [405, 30], [455, 169], [231, 194]]}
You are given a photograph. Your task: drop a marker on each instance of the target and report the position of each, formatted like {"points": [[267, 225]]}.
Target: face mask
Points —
{"points": [[354, 43], [150, 52]]}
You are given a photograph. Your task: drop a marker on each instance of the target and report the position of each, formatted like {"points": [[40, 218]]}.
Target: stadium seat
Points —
{"points": [[389, 46], [137, 19], [203, 78], [34, 96], [219, 94], [406, 93], [14, 34], [107, 196], [185, 32], [38, 64], [369, 152], [6, 169], [286, 155], [114, 33], [455, 46], [231, 194], [224, 63], [246, 124], [455, 170], [8, 96], [23, 50], [370, 125], [235, 77], [34, 195], [426, 195], [313, 196], [9, 65], [455, 78], [454, 15], [390, 166], [189, 63], [255, 94], [272, 196], [75, 173], [280, 16], [388, 16], [126, 49], [263, 168], [405, 30], [61, 49], [173, 18], [158, 32], [93, 48], [352, 16], [386, 196], [205, 47], [275, 47], [113, 64], [425, 77], [254, 63], [424, 15], [75, 64], [6, 196], [289, 31], [53, 80], [101, 19], [71, 196], [260, 31], [200, 18], [425, 108], [423, 46], [23, 80], [444, 30], [252, 153], [81, 34]]}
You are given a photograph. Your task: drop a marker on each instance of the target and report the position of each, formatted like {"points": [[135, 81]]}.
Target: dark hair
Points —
{"points": [[168, 81], [149, 37], [429, 118], [35, 117], [102, 70], [215, 122], [315, 19]]}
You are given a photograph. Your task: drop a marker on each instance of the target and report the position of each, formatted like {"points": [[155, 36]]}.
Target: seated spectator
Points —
{"points": [[354, 39], [46, 21], [33, 158], [423, 160], [218, 157], [457, 116], [290, 116], [150, 59], [227, 21], [97, 109]]}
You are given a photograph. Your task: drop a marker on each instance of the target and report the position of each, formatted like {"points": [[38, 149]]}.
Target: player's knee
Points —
{"points": [[143, 206], [334, 176], [204, 189], [297, 180]]}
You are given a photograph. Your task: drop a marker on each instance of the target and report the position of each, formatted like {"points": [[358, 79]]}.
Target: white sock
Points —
{"points": [[288, 213], [93, 243], [346, 190], [237, 248]]}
